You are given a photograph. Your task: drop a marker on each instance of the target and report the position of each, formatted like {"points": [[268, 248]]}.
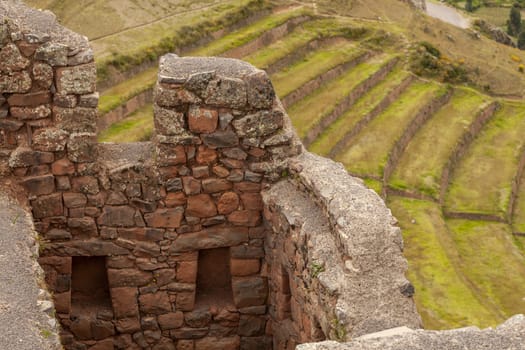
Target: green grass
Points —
{"points": [[375, 185], [344, 124], [249, 33], [316, 29], [136, 127], [367, 153], [492, 262], [313, 65], [120, 93], [308, 112], [497, 16], [423, 161], [443, 296], [482, 181], [133, 47]]}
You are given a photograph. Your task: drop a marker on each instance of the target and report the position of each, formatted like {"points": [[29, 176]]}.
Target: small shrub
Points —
{"points": [[521, 68], [515, 58]]}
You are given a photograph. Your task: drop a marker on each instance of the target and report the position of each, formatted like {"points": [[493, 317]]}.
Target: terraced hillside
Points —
{"points": [[447, 159]]}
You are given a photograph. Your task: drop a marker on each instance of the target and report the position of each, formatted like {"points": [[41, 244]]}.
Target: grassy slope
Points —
{"points": [[137, 127], [247, 34], [422, 162], [316, 29], [306, 113], [118, 94], [443, 295], [492, 261], [482, 181], [367, 153], [312, 65], [344, 124]]}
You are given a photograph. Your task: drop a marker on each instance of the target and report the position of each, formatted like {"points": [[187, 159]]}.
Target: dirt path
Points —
{"points": [[447, 14], [24, 324]]}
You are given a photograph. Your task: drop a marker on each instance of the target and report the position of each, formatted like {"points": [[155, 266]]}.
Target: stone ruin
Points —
{"points": [[221, 233]]}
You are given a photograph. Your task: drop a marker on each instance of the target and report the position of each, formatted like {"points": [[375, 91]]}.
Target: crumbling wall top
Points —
{"points": [[40, 26]]}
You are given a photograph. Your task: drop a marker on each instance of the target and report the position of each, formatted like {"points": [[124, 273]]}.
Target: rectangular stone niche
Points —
{"points": [[214, 278], [89, 285]]}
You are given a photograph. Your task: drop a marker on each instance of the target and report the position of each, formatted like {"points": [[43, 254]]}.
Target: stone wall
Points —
{"points": [[169, 244]]}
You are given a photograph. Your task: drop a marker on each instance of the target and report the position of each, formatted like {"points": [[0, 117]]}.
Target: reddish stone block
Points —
{"points": [[191, 185], [63, 167], [62, 302], [187, 271], [170, 155], [188, 333], [155, 303], [250, 325], [124, 301], [117, 216], [128, 325], [174, 199], [84, 226], [106, 344], [212, 237], [249, 291], [74, 200], [48, 206], [85, 184], [171, 320], [228, 202], [246, 186], [186, 344], [220, 171], [39, 185], [141, 234], [185, 301], [244, 267], [200, 171], [102, 329], [29, 99], [252, 201], [206, 155], [202, 120], [128, 277], [201, 206], [248, 218], [169, 217], [212, 343], [216, 185], [81, 328]]}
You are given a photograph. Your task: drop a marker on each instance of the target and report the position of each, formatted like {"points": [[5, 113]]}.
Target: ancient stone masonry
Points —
{"points": [[161, 244]]}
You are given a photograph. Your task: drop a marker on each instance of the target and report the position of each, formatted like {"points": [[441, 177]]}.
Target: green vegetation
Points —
{"points": [[311, 30], [482, 181], [325, 143], [247, 34], [368, 152], [444, 296], [423, 161], [132, 47], [492, 263], [119, 94], [308, 112], [137, 127], [313, 65]]}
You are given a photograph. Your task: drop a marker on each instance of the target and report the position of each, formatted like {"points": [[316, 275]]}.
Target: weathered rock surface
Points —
{"points": [[510, 336]]}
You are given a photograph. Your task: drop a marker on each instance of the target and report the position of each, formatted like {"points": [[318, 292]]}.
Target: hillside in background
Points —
{"points": [[429, 115]]}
